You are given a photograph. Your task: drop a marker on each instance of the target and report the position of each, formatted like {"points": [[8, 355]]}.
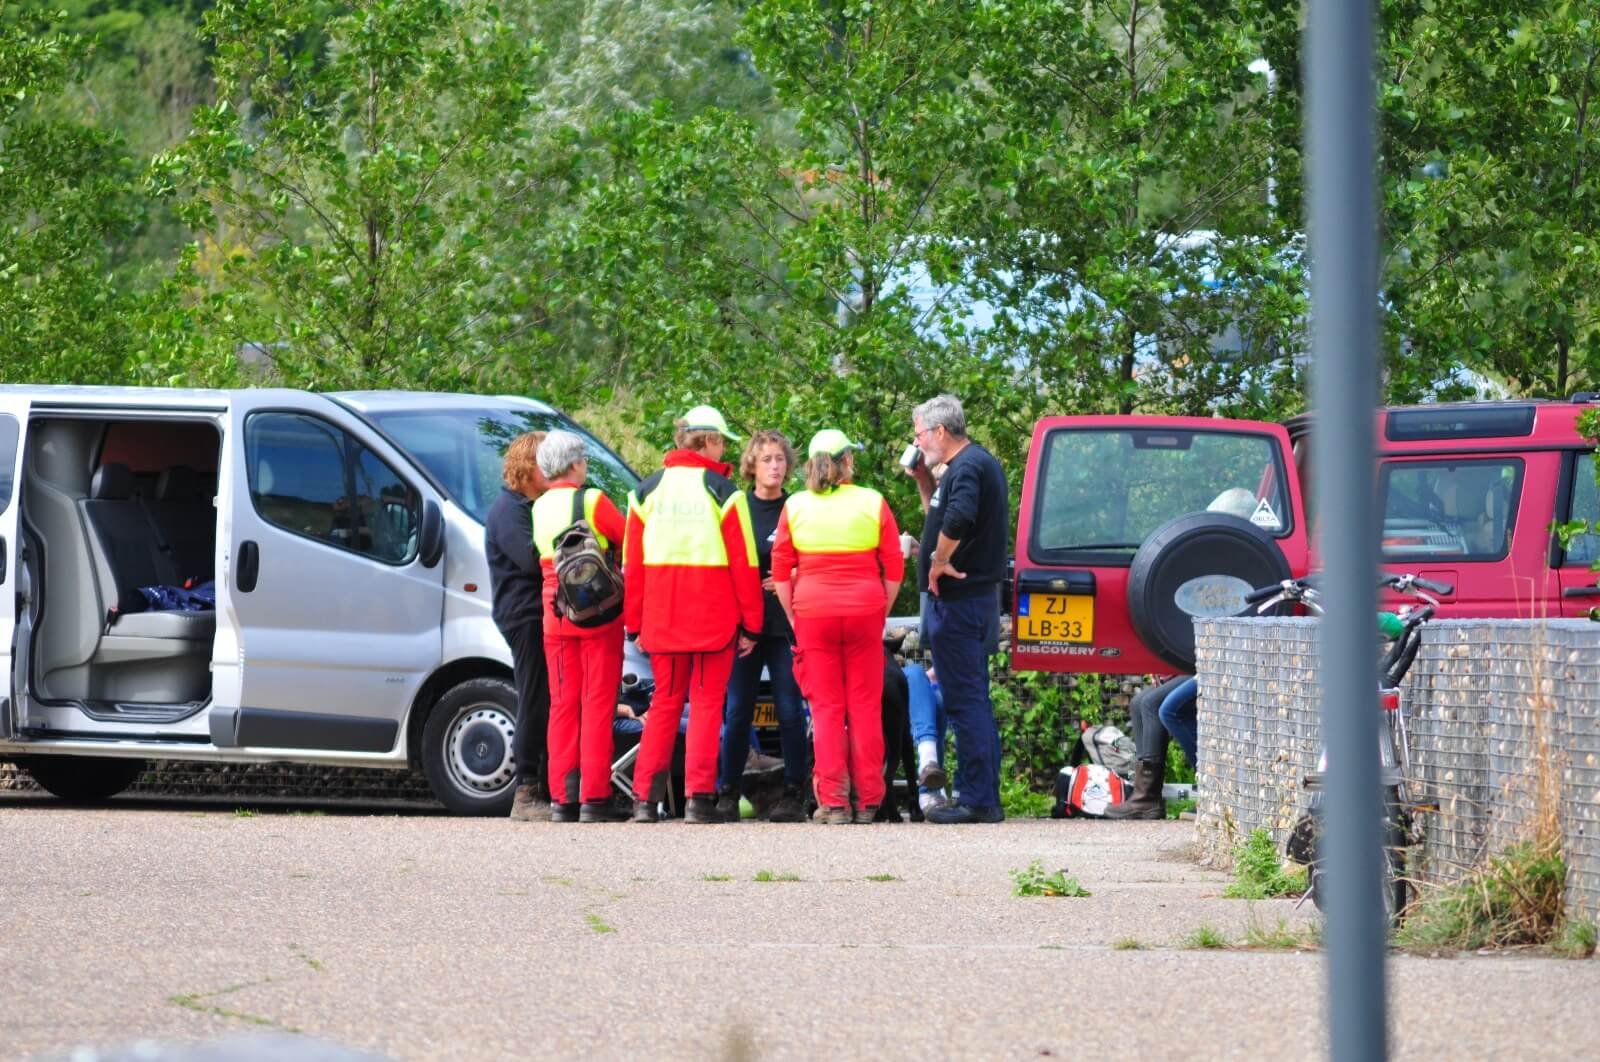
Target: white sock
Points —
{"points": [[927, 752]]}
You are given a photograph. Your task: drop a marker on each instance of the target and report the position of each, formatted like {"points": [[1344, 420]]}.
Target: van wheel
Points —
{"points": [[466, 747], [84, 779]]}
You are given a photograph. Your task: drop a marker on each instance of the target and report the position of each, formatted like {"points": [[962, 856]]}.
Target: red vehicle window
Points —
{"points": [[1450, 510]]}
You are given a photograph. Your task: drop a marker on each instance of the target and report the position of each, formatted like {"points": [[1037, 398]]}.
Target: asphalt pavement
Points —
{"points": [[392, 932]]}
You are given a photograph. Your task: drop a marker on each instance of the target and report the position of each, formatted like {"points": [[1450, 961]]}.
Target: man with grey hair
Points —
{"points": [[961, 565]]}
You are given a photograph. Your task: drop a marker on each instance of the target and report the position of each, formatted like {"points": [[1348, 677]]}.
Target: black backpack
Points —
{"points": [[588, 588]]}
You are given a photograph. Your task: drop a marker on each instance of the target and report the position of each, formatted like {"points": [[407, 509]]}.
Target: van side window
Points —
{"points": [[9, 432], [316, 480], [1583, 549]]}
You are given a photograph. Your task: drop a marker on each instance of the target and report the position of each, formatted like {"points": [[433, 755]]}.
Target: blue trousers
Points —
{"points": [[740, 711], [1179, 713], [957, 631], [926, 707]]}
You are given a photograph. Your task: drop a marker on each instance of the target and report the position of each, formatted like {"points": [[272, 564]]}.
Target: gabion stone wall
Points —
{"points": [[1504, 726]]}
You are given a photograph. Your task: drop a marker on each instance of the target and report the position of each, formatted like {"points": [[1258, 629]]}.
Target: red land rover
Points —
{"points": [[1132, 526]]}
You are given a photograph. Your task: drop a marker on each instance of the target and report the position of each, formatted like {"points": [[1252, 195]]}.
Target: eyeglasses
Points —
{"points": [[920, 432]]}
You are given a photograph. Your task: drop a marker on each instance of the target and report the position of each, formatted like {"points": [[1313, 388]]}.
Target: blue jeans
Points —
{"points": [[926, 707], [957, 632], [740, 710], [1179, 713]]}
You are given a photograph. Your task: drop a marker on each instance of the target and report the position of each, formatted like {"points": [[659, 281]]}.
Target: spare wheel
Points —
{"points": [[1198, 566]]}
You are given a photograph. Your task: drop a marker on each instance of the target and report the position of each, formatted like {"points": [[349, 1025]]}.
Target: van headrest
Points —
{"points": [[180, 483], [111, 482]]}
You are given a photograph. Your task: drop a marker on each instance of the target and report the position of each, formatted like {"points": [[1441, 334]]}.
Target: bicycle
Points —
{"points": [[1402, 799]]}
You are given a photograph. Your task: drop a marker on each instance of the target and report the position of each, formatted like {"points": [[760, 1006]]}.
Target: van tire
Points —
{"points": [[1192, 545], [83, 779], [466, 747]]}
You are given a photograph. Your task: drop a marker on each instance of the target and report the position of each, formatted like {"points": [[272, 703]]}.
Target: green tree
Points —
{"points": [[368, 178]]}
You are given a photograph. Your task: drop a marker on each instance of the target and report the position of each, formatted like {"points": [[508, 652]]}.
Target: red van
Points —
{"points": [[1132, 526]]}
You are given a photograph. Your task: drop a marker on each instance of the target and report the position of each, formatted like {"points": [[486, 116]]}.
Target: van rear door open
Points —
{"points": [[13, 426], [328, 582], [1098, 488]]}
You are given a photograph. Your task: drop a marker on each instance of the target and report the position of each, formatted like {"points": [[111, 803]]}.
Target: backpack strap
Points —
{"points": [[578, 494]]}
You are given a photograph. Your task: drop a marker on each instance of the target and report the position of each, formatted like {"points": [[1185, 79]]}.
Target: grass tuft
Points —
{"points": [[245, 813], [1178, 807], [1279, 937], [1128, 944], [783, 875], [1259, 873], [1034, 880], [1577, 940], [598, 924], [1514, 901], [1206, 938], [716, 877], [882, 877]]}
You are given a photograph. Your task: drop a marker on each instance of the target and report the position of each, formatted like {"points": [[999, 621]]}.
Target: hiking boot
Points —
{"points": [[832, 816], [961, 815], [728, 805], [931, 776], [759, 764], [1145, 801], [528, 804], [645, 811], [791, 806], [702, 810], [601, 811], [564, 812], [867, 815]]}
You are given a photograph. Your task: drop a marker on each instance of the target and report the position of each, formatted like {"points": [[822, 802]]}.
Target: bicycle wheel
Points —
{"points": [[1396, 838]]}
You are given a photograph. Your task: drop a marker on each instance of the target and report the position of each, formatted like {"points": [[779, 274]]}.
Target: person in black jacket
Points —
{"points": [[515, 586], [961, 565]]}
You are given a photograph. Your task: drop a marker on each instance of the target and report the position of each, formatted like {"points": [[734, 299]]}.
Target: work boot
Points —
{"points": [[833, 816], [760, 764], [1145, 802], [791, 807], [645, 811], [702, 810], [865, 816], [601, 811], [529, 805], [728, 805], [564, 812]]}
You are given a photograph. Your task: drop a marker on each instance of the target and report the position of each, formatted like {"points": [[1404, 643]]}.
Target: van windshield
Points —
{"points": [[463, 449], [1105, 490]]}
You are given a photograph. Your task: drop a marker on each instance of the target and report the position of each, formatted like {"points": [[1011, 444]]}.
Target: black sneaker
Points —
{"points": [[702, 809], [645, 811], [962, 815], [601, 811], [563, 812]]}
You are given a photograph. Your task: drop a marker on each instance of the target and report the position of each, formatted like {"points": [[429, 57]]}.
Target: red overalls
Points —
{"points": [[838, 548], [585, 663]]}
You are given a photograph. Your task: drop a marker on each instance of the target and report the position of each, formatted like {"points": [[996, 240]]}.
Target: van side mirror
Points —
{"points": [[430, 539]]}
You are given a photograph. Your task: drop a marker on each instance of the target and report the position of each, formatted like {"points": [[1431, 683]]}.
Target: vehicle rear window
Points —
{"points": [[1106, 490], [1449, 510]]}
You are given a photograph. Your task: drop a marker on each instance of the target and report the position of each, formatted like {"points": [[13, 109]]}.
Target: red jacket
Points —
{"points": [[690, 575], [552, 514]]}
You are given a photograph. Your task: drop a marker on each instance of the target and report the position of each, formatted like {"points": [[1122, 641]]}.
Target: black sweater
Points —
{"points": [[516, 581], [970, 504], [764, 522]]}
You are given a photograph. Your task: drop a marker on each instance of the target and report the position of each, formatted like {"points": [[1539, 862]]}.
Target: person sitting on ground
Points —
{"points": [[1153, 724]]}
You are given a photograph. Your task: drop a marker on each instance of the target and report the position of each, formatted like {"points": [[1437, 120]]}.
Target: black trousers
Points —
{"points": [[1149, 733], [530, 746]]}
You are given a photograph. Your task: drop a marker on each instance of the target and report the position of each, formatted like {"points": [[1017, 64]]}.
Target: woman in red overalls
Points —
{"points": [[836, 567], [585, 663]]}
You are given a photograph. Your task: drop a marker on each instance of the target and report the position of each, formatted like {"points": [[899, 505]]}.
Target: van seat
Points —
{"points": [[186, 519]]}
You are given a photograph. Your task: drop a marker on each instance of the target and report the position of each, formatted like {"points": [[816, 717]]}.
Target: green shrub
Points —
{"points": [[1515, 900], [1258, 871]]}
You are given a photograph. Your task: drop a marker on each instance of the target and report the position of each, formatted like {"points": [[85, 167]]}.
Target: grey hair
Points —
{"points": [[559, 452], [944, 410]]}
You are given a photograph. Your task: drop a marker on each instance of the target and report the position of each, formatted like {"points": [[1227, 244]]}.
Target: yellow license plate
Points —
{"points": [[766, 714], [1055, 618]]}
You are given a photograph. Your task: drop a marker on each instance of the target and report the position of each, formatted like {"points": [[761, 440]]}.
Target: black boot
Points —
{"points": [[728, 804], [791, 807], [1145, 801], [702, 809]]}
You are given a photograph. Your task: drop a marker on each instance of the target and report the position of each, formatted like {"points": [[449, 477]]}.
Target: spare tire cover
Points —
{"points": [[1198, 565]]}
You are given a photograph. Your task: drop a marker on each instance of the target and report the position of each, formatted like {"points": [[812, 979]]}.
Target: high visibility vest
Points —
{"points": [[552, 514], [682, 520], [846, 519]]}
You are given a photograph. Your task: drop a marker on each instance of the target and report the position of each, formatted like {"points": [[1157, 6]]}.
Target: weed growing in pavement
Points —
{"points": [[1577, 940], [782, 875], [245, 813], [716, 877], [1206, 938], [555, 879], [882, 877], [315, 813], [1258, 871], [1513, 901], [1034, 880], [1128, 944], [1278, 938], [598, 924]]}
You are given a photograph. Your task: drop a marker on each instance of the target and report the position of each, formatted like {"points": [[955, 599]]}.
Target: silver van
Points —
{"points": [[342, 537]]}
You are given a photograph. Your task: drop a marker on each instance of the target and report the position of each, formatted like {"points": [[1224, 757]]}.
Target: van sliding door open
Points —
{"points": [[13, 427]]}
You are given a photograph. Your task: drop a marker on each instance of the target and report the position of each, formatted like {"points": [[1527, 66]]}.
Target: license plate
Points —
{"points": [[1055, 618], [766, 714]]}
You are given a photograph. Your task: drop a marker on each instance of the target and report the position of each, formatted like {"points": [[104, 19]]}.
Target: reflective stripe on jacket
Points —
{"points": [[690, 575], [552, 514], [838, 548]]}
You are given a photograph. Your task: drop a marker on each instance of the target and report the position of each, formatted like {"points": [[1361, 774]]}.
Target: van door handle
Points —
{"points": [[4, 552], [249, 565]]}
